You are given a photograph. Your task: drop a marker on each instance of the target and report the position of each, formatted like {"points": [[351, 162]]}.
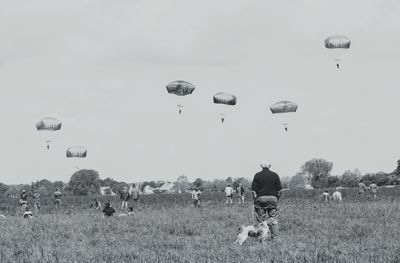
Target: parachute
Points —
{"points": [[337, 42], [224, 98], [76, 151], [180, 88], [284, 107], [48, 124]]}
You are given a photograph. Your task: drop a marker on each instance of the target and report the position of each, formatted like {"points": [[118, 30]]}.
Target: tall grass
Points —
{"points": [[166, 228]]}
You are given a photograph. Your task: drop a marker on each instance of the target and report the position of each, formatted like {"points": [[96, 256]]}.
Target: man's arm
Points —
{"points": [[254, 186]]}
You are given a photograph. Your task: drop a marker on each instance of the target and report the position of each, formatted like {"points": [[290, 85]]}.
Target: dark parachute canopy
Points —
{"points": [[283, 107], [76, 151], [180, 88], [337, 41], [48, 124], [224, 98]]}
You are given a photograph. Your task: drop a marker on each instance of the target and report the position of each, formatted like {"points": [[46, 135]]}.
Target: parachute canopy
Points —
{"points": [[48, 124], [180, 88], [76, 151], [224, 98], [283, 107], [337, 42]]}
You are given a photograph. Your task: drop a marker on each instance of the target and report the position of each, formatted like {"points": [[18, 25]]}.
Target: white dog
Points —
{"points": [[259, 231]]}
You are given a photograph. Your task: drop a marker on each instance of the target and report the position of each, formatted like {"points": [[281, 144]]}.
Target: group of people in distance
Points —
{"points": [[362, 188], [26, 210], [229, 193], [125, 196]]}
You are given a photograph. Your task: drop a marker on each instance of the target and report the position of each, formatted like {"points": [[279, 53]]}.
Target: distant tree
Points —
{"points": [[119, 186], [333, 181], [198, 183], [218, 185], [297, 181], [85, 182], [3, 189], [229, 180], [318, 170], [350, 178], [182, 183], [380, 178], [160, 183], [151, 184], [59, 185], [108, 191]]}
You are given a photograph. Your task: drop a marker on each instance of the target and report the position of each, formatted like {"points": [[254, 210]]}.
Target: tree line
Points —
{"points": [[315, 172]]}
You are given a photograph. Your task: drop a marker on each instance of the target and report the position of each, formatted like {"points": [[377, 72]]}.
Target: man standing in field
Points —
{"points": [[36, 201], [196, 197], [374, 189], [266, 189], [57, 198], [124, 198], [135, 194], [240, 192], [229, 194]]}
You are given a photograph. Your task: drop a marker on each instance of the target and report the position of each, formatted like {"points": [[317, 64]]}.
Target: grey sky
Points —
{"points": [[102, 66]]}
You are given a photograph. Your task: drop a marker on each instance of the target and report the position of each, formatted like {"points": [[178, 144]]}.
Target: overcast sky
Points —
{"points": [[101, 67]]}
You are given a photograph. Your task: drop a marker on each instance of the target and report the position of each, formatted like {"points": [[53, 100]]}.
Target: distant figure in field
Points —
{"points": [[361, 188], [135, 194], [36, 200], [337, 65], [374, 189], [229, 194], [96, 204], [337, 197], [23, 200], [266, 189], [108, 210], [240, 192], [124, 198], [196, 197], [57, 198], [28, 213], [324, 197]]}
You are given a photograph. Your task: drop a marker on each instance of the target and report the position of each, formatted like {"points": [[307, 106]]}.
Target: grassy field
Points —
{"points": [[166, 228]]}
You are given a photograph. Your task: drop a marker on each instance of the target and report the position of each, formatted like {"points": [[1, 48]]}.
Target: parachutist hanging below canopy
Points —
{"points": [[224, 98], [180, 88], [337, 42], [283, 107]]}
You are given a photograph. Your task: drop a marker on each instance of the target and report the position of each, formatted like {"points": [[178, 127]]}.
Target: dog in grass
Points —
{"points": [[259, 231]]}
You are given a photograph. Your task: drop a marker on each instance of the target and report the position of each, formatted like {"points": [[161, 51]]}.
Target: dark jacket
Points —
{"points": [[108, 211], [266, 182]]}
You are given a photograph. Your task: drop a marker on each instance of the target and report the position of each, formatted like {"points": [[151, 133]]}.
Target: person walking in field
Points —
{"points": [[57, 198], [36, 201], [240, 192], [23, 200], [124, 198], [361, 188], [196, 197], [266, 188], [96, 204], [373, 188], [229, 194], [108, 210]]}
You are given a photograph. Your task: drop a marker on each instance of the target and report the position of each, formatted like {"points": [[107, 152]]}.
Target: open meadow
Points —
{"points": [[166, 228]]}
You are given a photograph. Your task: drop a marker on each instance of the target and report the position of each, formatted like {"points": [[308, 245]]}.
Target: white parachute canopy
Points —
{"points": [[76, 151], [48, 124]]}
